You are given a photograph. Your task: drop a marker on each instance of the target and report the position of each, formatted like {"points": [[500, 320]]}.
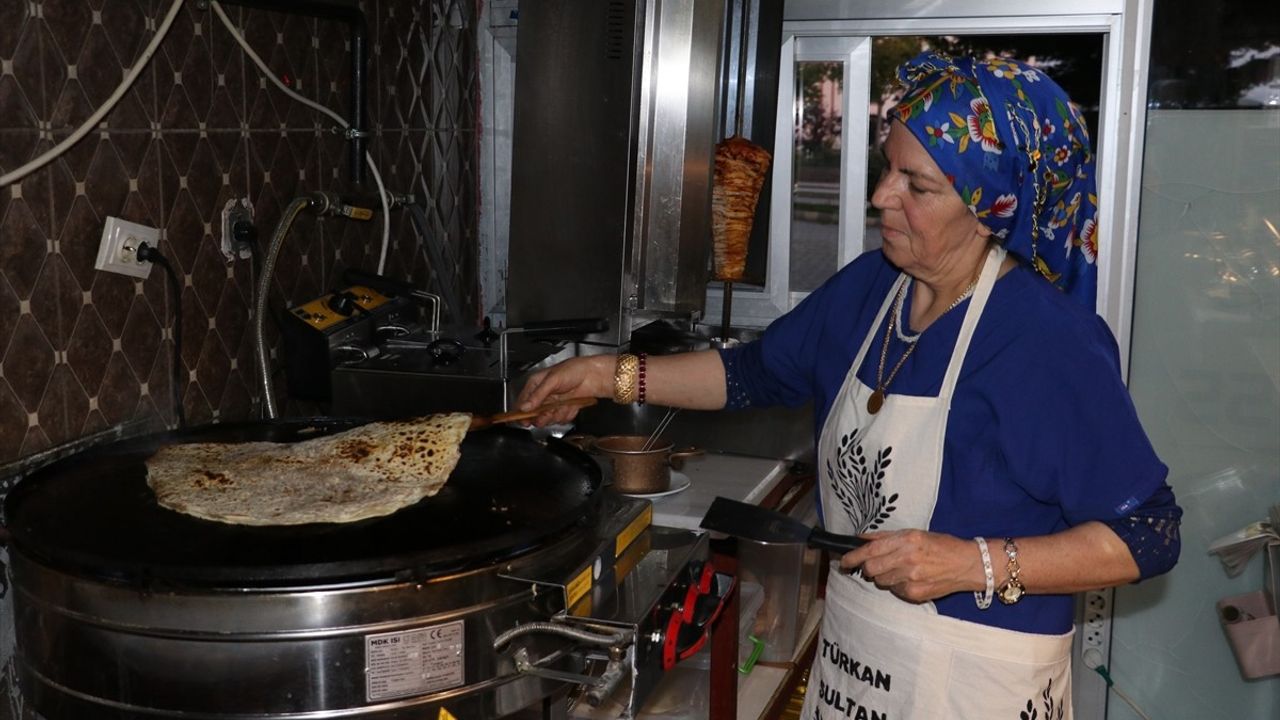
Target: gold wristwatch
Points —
{"points": [[1011, 590]]}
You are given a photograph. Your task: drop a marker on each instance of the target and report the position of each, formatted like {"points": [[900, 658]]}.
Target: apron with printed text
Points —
{"points": [[882, 658]]}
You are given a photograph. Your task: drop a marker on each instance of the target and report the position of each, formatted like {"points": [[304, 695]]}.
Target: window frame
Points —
{"points": [[1125, 27]]}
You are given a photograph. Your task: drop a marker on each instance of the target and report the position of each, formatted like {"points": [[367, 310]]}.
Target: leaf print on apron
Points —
{"points": [[882, 658]]}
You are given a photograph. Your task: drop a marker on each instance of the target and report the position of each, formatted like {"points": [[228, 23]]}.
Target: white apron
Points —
{"points": [[882, 658]]}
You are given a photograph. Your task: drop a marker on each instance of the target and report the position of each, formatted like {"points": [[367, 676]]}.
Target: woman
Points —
{"points": [[965, 389]]}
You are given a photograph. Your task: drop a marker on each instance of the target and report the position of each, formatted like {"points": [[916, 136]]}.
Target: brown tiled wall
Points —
{"points": [[82, 350]]}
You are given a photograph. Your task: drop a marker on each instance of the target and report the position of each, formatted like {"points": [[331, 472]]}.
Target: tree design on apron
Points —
{"points": [[1053, 710], [860, 486]]}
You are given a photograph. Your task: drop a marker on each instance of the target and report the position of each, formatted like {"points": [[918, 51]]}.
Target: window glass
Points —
{"points": [[815, 189], [1215, 54]]}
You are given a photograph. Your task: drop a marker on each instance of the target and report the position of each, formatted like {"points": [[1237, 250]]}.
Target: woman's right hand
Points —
{"points": [[590, 376]]}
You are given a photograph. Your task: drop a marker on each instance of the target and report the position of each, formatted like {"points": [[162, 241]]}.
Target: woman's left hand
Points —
{"points": [[917, 565]]}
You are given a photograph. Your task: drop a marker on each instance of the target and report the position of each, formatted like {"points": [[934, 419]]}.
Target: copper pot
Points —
{"points": [[642, 472]]}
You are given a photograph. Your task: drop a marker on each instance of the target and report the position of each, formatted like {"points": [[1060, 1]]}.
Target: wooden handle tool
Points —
{"points": [[484, 421]]}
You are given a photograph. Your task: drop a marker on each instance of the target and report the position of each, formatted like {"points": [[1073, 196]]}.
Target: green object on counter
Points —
{"points": [[757, 648]]}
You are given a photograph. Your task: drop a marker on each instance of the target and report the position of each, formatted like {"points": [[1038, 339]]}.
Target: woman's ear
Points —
{"points": [[984, 232]]}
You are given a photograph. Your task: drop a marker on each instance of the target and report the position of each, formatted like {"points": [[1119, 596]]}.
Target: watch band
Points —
{"points": [[1012, 589]]}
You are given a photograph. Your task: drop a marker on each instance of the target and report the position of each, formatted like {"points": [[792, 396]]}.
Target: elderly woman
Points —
{"points": [[972, 419]]}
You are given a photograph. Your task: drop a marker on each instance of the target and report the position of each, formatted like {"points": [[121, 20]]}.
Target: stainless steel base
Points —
{"points": [[90, 650]]}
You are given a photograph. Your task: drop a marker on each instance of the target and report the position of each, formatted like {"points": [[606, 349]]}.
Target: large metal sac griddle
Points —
{"points": [[125, 609], [93, 514]]}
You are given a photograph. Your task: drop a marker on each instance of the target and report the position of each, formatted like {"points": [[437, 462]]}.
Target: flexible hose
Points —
{"points": [[585, 636], [342, 122], [56, 151], [260, 302]]}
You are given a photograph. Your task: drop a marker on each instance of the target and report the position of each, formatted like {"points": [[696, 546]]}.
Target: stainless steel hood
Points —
{"points": [[613, 140]]}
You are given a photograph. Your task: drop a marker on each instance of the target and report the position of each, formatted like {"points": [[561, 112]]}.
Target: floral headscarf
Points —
{"points": [[1016, 149]]}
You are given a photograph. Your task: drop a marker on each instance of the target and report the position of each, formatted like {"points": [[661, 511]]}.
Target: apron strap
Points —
{"points": [[981, 292]]}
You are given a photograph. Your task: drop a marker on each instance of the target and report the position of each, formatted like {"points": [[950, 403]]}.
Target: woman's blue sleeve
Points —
{"points": [[781, 367], [1152, 533]]}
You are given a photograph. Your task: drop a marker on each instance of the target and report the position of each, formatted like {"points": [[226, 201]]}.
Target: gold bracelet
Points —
{"points": [[625, 374]]}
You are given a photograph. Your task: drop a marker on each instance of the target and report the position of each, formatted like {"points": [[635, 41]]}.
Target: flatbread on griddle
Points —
{"points": [[366, 472]]}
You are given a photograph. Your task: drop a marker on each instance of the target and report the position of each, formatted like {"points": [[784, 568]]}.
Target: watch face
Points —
{"points": [[1010, 592]]}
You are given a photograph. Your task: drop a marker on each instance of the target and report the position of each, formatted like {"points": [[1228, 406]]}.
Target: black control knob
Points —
{"points": [[446, 351], [486, 334], [343, 303]]}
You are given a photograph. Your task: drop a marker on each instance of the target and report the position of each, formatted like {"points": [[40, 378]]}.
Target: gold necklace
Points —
{"points": [[876, 401]]}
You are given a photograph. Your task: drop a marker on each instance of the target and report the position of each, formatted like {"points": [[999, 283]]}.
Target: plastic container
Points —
{"points": [[1253, 632], [789, 575]]}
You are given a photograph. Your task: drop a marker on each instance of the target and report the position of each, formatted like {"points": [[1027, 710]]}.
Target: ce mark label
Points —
{"points": [[414, 662]]}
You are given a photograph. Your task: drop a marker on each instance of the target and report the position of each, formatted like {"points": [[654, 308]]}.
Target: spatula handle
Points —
{"points": [[482, 422], [836, 543]]}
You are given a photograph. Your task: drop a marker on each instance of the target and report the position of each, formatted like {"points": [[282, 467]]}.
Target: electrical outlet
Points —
{"points": [[1096, 629], [118, 251], [235, 211]]}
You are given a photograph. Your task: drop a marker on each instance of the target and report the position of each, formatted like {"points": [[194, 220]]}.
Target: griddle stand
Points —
{"points": [[635, 593]]}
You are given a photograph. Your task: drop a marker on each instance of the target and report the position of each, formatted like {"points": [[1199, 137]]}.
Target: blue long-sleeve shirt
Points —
{"points": [[1042, 434]]}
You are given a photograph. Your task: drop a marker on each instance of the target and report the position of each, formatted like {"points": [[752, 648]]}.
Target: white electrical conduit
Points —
{"points": [[266, 72], [56, 151]]}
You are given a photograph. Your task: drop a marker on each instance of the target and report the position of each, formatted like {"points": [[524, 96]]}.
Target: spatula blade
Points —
{"points": [[752, 522]]}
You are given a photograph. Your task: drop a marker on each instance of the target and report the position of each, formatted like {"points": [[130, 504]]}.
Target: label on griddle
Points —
{"points": [[413, 662]]}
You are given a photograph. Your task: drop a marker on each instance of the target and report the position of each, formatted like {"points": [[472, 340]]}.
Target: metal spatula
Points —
{"points": [[755, 523]]}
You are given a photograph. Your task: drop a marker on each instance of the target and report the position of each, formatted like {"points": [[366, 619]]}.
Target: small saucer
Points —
{"points": [[679, 483]]}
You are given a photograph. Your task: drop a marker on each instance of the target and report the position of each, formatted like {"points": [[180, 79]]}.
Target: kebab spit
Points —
{"points": [[741, 166]]}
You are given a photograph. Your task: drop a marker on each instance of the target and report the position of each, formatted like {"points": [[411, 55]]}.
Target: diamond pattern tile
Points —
{"points": [[24, 248], [82, 350], [35, 441], [16, 113], [120, 390], [214, 367], [97, 66], [53, 66], [196, 405], [90, 343], [126, 14], [107, 183], [27, 66], [10, 310], [68, 22], [13, 424], [141, 338], [199, 78], [29, 368], [160, 383], [56, 302], [13, 17], [65, 407]]}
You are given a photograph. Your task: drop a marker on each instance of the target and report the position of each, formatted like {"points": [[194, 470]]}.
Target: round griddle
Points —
{"points": [[94, 514]]}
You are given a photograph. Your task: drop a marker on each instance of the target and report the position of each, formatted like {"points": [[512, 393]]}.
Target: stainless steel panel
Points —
{"points": [[674, 172], [90, 650], [572, 158], [611, 170]]}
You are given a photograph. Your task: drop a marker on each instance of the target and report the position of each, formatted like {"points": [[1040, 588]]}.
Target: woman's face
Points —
{"points": [[928, 230]]}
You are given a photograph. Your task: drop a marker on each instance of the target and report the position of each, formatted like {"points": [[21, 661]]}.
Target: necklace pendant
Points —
{"points": [[875, 402]]}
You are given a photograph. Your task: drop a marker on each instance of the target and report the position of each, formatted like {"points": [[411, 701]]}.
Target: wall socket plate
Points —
{"points": [[118, 250], [236, 210]]}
